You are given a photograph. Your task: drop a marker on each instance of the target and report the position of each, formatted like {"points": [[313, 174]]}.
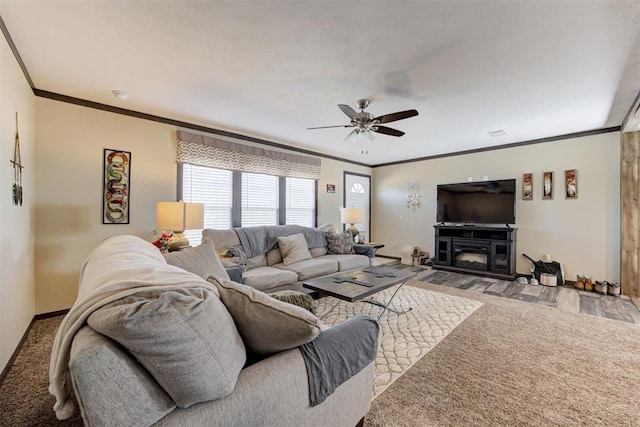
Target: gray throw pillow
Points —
{"points": [[201, 260], [185, 338], [266, 325], [293, 248], [339, 243]]}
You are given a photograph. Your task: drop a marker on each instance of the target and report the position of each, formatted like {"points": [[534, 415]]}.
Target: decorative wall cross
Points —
{"points": [[17, 169]]}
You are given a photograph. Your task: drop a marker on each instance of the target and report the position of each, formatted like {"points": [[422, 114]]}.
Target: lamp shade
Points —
{"points": [[352, 216], [179, 216]]}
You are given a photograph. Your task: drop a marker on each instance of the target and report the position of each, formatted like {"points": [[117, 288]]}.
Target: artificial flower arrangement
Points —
{"points": [[163, 242]]}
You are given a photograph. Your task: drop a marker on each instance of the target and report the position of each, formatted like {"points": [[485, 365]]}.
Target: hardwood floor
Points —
{"points": [[565, 298]]}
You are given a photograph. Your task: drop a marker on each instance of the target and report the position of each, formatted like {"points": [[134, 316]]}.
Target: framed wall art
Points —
{"points": [[527, 186], [571, 184], [116, 189], [547, 185]]}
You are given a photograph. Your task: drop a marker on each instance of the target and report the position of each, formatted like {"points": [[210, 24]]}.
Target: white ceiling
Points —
{"points": [[270, 69]]}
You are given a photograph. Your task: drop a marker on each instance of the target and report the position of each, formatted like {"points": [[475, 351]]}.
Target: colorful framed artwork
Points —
{"points": [[571, 184], [547, 186], [116, 189], [527, 186], [331, 188]]}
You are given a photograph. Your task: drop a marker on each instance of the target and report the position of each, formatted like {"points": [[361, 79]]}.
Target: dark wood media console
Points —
{"points": [[488, 251]]}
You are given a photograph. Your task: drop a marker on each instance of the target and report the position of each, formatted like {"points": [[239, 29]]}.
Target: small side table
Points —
{"points": [[375, 246]]}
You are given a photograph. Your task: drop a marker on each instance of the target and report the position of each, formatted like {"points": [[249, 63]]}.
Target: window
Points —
{"points": [[214, 188], [301, 201], [259, 199], [357, 188]]}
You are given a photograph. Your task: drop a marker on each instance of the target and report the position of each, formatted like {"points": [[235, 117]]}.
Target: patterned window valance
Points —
{"points": [[203, 150]]}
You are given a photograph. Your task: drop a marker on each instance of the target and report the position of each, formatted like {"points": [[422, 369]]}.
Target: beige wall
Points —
{"points": [[16, 222], [582, 234], [69, 175]]}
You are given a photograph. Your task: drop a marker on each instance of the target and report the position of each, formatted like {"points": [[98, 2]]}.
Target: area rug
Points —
{"points": [[405, 338]]}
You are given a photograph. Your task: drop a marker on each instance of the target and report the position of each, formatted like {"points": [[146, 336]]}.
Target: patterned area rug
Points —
{"points": [[407, 337]]}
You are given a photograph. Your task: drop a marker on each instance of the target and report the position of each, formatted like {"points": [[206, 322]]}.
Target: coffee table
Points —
{"points": [[359, 285]]}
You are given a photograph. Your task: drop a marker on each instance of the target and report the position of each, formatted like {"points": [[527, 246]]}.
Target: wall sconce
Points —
{"points": [[178, 217], [413, 198]]}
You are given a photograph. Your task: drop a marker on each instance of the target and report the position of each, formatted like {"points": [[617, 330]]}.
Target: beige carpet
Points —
{"points": [[407, 337], [512, 363]]}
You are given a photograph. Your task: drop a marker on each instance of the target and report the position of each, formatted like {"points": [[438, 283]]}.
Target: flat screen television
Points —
{"points": [[484, 202]]}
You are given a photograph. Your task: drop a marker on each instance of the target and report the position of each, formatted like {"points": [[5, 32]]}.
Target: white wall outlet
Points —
{"points": [[469, 178], [395, 245], [485, 177]]}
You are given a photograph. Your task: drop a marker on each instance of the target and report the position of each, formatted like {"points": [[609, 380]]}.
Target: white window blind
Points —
{"points": [[301, 201], [214, 188], [259, 199]]}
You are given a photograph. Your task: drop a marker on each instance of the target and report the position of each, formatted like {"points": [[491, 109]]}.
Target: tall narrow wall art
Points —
{"points": [[116, 190]]}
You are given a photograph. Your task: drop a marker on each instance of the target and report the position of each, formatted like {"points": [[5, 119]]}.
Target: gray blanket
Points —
{"points": [[339, 353], [261, 239]]}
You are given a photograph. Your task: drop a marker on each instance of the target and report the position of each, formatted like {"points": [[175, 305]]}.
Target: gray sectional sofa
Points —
{"points": [[264, 268], [153, 343]]}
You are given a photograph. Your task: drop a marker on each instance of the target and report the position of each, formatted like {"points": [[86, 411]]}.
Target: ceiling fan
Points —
{"points": [[366, 124]]}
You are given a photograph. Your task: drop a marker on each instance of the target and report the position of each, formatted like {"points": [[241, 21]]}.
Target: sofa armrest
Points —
{"points": [[274, 392]]}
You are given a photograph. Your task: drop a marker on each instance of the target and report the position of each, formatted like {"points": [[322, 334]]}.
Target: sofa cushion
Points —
{"points": [[274, 256], [311, 268], [348, 261], [257, 261], [316, 252], [201, 260], [265, 278], [339, 243], [266, 325], [294, 248], [185, 338], [130, 396]]}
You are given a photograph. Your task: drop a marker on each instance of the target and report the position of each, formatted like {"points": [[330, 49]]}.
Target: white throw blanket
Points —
{"points": [[119, 266]]}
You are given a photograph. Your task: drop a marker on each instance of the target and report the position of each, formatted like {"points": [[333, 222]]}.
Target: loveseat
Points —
{"points": [[263, 259], [149, 341]]}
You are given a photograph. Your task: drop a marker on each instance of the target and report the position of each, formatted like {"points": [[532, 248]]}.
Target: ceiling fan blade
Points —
{"points": [[353, 115], [327, 127], [388, 131], [388, 118]]}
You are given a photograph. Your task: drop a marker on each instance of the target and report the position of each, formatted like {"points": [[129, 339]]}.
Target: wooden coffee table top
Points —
{"points": [[379, 278]]}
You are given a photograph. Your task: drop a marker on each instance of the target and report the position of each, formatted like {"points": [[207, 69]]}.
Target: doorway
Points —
{"points": [[357, 194]]}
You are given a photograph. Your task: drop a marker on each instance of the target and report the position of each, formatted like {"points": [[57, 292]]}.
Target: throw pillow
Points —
{"points": [[266, 325], [236, 256], [339, 243], [294, 248], [185, 338], [201, 260], [300, 299]]}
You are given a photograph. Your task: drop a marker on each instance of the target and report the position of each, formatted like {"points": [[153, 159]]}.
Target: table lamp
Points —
{"points": [[352, 216], [178, 217]]}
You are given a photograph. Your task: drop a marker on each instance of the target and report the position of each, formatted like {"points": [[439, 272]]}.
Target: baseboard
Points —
{"points": [[50, 314], [13, 357]]}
